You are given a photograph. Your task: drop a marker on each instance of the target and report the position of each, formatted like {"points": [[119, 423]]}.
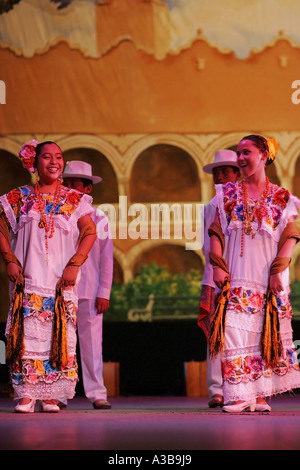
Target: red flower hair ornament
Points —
{"points": [[27, 155]]}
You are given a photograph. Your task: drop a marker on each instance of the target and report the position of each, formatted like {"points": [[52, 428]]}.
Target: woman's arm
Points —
{"points": [[285, 251], [70, 272]]}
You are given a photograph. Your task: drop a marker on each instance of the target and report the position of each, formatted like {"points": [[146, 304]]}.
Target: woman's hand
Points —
{"points": [[69, 276], [276, 285], [220, 276], [13, 271]]}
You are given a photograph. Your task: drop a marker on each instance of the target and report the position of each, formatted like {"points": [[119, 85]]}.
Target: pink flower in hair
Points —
{"points": [[27, 155]]}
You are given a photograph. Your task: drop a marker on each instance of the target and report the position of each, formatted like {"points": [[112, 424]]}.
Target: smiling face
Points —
{"points": [[250, 158], [50, 163]]}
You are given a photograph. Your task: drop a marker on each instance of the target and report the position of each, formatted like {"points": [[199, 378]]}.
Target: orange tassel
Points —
{"points": [[271, 345], [15, 342], [59, 356], [217, 332]]}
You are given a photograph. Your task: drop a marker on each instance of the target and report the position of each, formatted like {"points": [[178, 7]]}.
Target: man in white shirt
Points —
{"points": [[94, 289], [224, 169]]}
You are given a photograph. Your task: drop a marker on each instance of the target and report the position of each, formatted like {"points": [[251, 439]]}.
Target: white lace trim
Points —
{"points": [[244, 321], [248, 284], [253, 321], [41, 391], [255, 349]]}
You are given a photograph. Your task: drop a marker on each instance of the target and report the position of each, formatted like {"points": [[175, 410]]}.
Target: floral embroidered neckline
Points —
{"points": [[24, 199], [276, 201]]}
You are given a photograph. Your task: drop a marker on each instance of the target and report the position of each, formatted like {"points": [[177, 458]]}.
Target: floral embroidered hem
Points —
{"points": [[250, 368], [34, 377]]}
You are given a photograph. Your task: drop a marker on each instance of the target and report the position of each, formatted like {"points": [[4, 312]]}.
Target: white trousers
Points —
{"points": [[214, 375], [90, 342]]}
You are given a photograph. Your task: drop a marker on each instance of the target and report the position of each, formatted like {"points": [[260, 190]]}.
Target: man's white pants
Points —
{"points": [[214, 375], [90, 342]]}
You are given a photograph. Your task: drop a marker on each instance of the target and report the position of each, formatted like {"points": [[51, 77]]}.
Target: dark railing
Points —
{"points": [[179, 308]]}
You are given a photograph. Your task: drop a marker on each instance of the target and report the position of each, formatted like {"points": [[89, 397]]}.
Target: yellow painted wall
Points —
{"points": [[127, 90]]}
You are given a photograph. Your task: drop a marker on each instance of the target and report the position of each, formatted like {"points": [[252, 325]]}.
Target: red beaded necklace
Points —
{"points": [[44, 223], [259, 209]]}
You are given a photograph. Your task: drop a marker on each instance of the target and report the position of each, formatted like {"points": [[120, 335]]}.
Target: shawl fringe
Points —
{"points": [[15, 343], [59, 356], [217, 332]]}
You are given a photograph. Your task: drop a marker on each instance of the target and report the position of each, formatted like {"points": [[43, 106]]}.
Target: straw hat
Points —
{"points": [[222, 158], [79, 169]]}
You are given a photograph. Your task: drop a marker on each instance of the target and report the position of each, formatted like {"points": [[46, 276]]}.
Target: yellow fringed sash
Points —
{"points": [[217, 332], [59, 356], [271, 345], [15, 341]]}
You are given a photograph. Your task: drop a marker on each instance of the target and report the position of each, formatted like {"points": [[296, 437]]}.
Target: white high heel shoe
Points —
{"points": [[50, 407], [262, 407], [26, 408], [240, 407]]}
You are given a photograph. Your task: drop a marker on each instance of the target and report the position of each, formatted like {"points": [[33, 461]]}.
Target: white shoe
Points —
{"points": [[262, 407], [26, 408], [50, 407], [240, 407]]}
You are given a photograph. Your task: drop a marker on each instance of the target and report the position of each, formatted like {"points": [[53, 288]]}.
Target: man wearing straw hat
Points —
{"points": [[224, 169], [94, 289]]}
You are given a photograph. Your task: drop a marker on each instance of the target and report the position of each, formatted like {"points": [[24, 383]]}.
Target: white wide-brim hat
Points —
{"points": [[79, 169], [222, 158]]}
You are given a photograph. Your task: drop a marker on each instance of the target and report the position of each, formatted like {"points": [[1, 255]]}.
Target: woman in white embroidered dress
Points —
{"points": [[45, 221], [254, 213]]}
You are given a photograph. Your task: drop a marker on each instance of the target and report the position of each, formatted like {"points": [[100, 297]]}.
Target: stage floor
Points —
{"points": [[152, 423]]}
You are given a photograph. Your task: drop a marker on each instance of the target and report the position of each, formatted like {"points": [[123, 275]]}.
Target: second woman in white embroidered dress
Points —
{"points": [[246, 377]]}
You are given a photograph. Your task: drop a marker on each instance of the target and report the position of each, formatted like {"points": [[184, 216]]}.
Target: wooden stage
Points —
{"points": [[174, 424]]}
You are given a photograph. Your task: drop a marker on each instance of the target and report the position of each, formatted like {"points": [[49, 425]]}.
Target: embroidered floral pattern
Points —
{"points": [[276, 202], [23, 200], [250, 368], [33, 371], [243, 300], [284, 306], [43, 307], [246, 300]]}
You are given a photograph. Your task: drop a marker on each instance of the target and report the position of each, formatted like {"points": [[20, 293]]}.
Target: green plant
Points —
{"points": [[163, 284]]}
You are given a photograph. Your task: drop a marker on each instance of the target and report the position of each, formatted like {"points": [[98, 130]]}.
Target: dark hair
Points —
{"points": [[261, 143], [39, 148]]}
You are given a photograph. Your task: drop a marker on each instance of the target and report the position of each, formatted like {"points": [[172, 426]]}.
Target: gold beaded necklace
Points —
{"points": [[259, 209], [43, 223]]}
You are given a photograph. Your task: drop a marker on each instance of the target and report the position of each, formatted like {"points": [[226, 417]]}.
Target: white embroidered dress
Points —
{"points": [[245, 374], [36, 378]]}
